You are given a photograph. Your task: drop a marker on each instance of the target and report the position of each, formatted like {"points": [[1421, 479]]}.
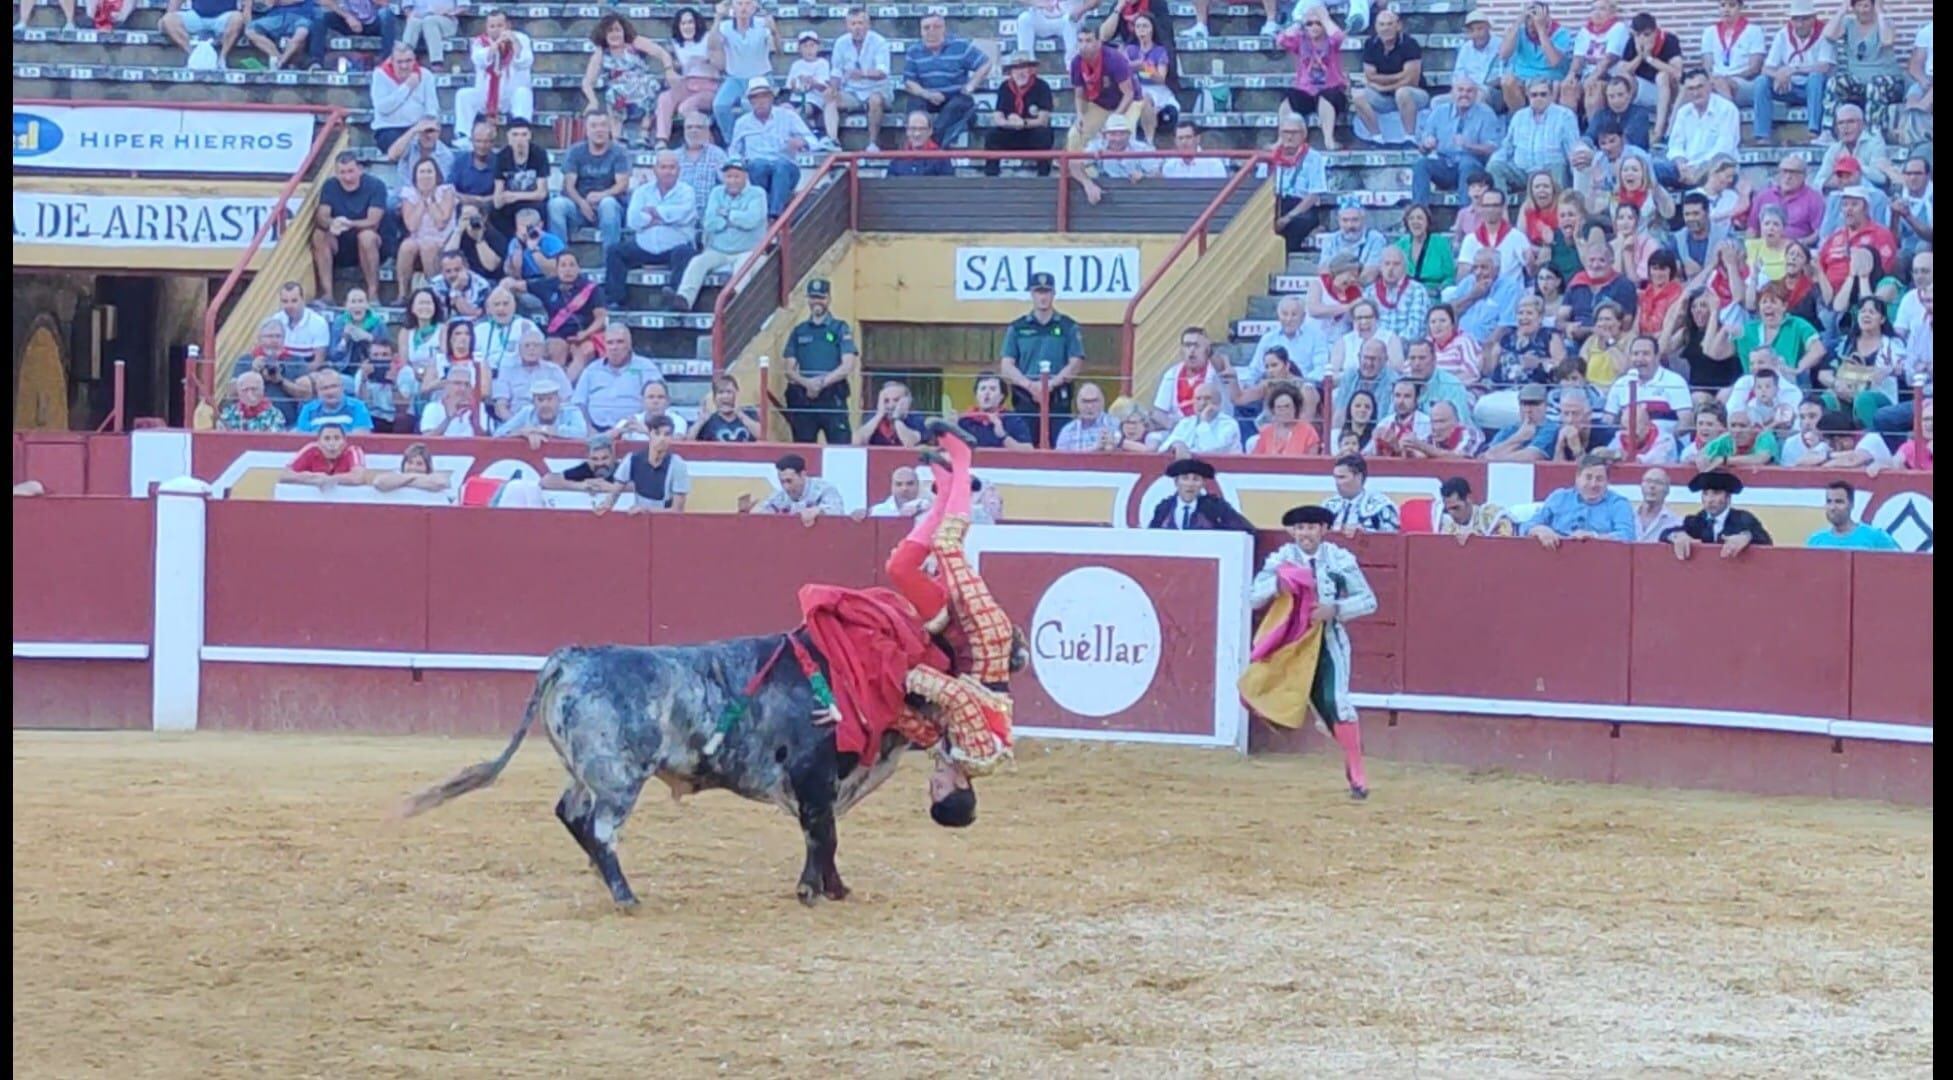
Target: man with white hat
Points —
{"points": [[1793, 71], [544, 417], [1114, 138], [1478, 56], [767, 139]]}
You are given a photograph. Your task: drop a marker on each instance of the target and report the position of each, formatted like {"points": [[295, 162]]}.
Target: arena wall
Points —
{"points": [[1785, 671]]}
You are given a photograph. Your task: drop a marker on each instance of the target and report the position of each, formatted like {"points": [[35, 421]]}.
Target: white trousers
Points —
{"points": [[1032, 25], [469, 101]]}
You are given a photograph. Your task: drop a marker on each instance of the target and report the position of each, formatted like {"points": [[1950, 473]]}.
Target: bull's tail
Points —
{"points": [[478, 776]]}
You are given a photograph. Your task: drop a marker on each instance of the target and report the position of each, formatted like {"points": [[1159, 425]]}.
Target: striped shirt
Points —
{"points": [[946, 70]]}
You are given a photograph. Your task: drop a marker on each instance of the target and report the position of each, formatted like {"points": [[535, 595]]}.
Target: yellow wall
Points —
{"points": [[195, 258], [910, 277]]}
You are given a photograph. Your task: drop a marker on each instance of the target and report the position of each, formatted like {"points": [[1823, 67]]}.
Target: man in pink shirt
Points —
{"points": [[1802, 204]]}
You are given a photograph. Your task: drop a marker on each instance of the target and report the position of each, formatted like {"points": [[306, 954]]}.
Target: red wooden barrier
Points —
{"points": [[83, 570], [317, 576], [496, 583], [1891, 648]]}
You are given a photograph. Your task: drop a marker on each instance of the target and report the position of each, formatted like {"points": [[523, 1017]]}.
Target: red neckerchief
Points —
{"points": [[1505, 230], [1130, 11], [1184, 387], [251, 412], [1635, 197], [1584, 278], [392, 72], [1797, 48], [1091, 76], [1438, 347], [105, 14], [1647, 441], [1017, 97], [1290, 162], [1599, 35], [1393, 432], [1342, 296], [504, 59], [1453, 441], [1540, 224], [1730, 36], [1798, 290], [1391, 302]]}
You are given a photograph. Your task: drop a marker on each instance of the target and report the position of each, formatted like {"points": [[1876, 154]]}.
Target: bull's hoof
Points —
{"points": [[626, 905], [836, 891], [809, 895]]}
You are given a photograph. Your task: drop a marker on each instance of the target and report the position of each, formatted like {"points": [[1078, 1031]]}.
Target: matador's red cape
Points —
{"points": [[870, 639]]}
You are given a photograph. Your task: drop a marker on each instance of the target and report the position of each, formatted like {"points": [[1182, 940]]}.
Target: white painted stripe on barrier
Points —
{"points": [[1648, 714], [365, 658], [80, 650]]}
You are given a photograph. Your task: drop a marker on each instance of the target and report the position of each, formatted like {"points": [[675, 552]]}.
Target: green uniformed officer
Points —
{"points": [[821, 355], [1042, 342]]}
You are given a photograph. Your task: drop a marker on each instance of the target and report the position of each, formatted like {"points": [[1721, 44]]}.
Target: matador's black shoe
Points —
{"points": [[939, 428]]}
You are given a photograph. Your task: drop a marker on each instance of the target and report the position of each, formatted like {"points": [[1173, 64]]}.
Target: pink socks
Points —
{"points": [[1351, 740]]}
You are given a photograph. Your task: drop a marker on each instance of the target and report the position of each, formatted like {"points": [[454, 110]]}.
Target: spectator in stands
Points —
{"points": [[1837, 257], [767, 139], [1174, 399], [1022, 119], [1114, 139], [821, 359], [989, 424], [1434, 383], [692, 75], [1191, 507], [1868, 71], [1801, 205], [1539, 138], [1477, 58], [905, 499], [1717, 522], [1333, 294], [1618, 174], [734, 222], [1207, 430], [918, 138], [250, 410], [403, 94], [1406, 423], [1039, 343], [1285, 430], [1604, 351], [1632, 249], [609, 392], [1118, 23], [1699, 239], [1136, 434], [380, 381], [1859, 151], [942, 73], [1733, 52], [307, 335], [462, 292], [701, 162], [282, 31], [1860, 376], [1597, 47], [1794, 70], [576, 317], [1912, 210], [346, 227], [1916, 453], [1302, 342], [619, 79], [1524, 354], [1767, 398], [427, 209], [1661, 287], [1654, 60], [1428, 254], [806, 87], [1588, 510], [521, 181], [502, 59], [354, 331], [862, 79], [1615, 110], [1578, 433], [1652, 517], [1530, 437], [430, 23], [329, 400], [328, 462], [1645, 381], [514, 385], [596, 477], [1357, 426], [747, 38], [596, 176], [421, 142], [1706, 126], [1916, 125], [1102, 86], [1598, 284], [1301, 182], [473, 174], [1320, 89], [1729, 204], [1456, 354], [1353, 236], [416, 472], [1393, 76], [499, 334], [807, 496], [1808, 445], [530, 261], [351, 17], [1191, 164], [1344, 357], [456, 411], [1373, 376], [1536, 50], [1455, 137], [727, 422], [892, 423], [657, 476], [1841, 531], [1356, 508], [1496, 234], [1448, 438], [1155, 78], [656, 401], [187, 22], [663, 218]]}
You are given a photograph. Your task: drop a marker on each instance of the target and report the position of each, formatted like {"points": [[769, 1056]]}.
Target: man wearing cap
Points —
{"points": [[544, 417], [768, 138], [734, 220], [1521, 441], [1586, 511], [330, 461], [1840, 531], [1705, 126], [1114, 138], [1456, 136], [821, 357], [1794, 71], [1849, 174], [1310, 566], [663, 218], [1856, 230], [1717, 522], [1791, 192], [1022, 119], [1190, 507], [917, 138], [1042, 342], [861, 78], [1477, 58], [1102, 85], [942, 73]]}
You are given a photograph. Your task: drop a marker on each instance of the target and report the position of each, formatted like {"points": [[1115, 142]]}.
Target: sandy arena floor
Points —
{"points": [[243, 906]]}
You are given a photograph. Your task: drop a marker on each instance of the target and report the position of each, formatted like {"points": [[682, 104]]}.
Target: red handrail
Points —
{"points": [[113, 421], [203, 381], [1127, 330]]}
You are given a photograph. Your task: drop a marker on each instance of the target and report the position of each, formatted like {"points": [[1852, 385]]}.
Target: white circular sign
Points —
{"points": [[1095, 641], [1908, 516]]}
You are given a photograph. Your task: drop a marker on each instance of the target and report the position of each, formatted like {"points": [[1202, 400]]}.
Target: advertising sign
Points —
{"points": [[1080, 273], [123, 139]]}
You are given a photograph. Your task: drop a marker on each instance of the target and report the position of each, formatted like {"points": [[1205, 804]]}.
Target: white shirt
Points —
{"points": [[1165, 399], [1664, 384], [1513, 250], [1735, 59], [890, 508], [1781, 53], [677, 216], [434, 420], [871, 55], [312, 331], [1788, 395], [1798, 450], [1200, 168], [500, 348], [1221, 435], [1598, 49], [1696, 135], [807, 76], [1912, 314], [1308, 354], [483, 54], [1476, 62], [678, 427], [1923, 40]]}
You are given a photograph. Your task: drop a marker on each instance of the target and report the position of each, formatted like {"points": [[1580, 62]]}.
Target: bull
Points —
{"points": [[619, 715]]}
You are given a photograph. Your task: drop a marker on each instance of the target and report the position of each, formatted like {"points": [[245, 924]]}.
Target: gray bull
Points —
{"points": [[619, 715]]}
